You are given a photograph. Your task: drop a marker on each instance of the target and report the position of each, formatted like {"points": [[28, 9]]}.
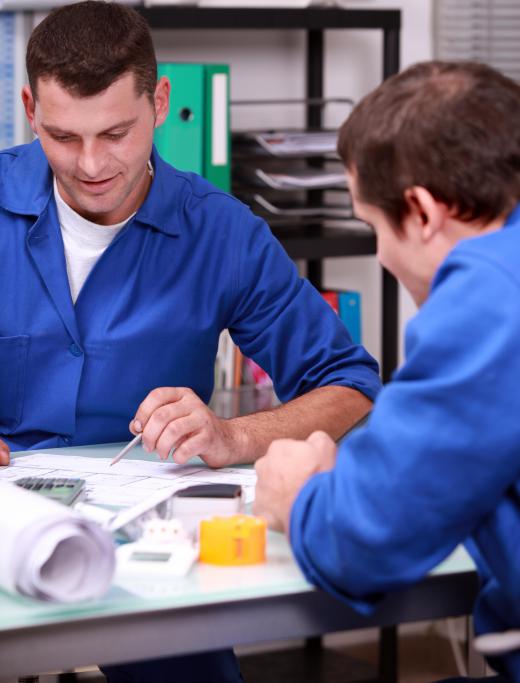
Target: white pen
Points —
{"points": [[128, 447]]}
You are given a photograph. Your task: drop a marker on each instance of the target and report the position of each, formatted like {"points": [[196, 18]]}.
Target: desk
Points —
{"points": [[211, 608]]}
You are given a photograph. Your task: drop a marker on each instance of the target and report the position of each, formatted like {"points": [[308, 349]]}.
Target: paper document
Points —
{"points": [[284, 144], [322, 211], [130, 481], [49, 551], [305, 180]]}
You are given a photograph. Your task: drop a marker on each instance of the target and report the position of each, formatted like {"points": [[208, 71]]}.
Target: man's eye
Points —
{"points": [[62, 138], [116, 136]]}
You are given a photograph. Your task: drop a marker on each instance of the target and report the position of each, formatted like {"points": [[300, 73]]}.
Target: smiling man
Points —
{"points": [[100, 159], [120, 272], [433, 163]]}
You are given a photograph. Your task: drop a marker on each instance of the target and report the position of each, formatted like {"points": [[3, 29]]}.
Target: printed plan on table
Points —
{"points": [[128, 483]]}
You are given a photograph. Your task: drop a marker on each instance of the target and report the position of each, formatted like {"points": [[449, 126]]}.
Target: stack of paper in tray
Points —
{"points": [[50, 552]]}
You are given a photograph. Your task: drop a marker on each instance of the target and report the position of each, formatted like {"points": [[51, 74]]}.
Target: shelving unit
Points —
{"points": [[312, 241]]}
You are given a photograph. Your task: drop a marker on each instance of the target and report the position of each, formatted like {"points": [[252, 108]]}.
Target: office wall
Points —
{"points": [[270, 64]]}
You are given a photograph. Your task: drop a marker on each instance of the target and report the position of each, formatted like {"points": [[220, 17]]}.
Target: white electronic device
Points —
{"points": [[165, 549]]}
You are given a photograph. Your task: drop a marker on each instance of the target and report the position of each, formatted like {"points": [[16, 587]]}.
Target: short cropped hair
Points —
{"points": [[451, 127], [89, 45]]}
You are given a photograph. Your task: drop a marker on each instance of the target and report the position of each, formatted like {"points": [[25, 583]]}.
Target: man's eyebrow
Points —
{"points": [[60, 131], [56, 130], [122, 124]]}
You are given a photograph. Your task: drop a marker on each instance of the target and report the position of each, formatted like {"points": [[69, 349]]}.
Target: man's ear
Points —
{"points": [[424, 211], [29, 104], [162, 100]]}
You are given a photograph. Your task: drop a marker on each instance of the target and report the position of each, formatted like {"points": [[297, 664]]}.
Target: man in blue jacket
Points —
{"points": [[433, 163], [119, 273]]}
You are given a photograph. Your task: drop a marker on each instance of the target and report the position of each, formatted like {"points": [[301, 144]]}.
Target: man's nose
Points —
{"points": [[91, 161]]}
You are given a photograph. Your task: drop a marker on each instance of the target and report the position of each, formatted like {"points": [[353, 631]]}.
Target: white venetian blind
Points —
{"points": [[481, 30]]}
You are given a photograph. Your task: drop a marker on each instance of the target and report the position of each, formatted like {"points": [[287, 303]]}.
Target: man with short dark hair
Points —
{"points": [[433, 163], [119, 273]]}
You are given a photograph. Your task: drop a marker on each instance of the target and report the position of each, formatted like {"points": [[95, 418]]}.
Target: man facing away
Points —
{"points": [[433, 163], [119, 273]]}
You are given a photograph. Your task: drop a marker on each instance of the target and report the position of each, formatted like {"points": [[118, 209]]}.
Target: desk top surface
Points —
{"points": [[205, 584]]}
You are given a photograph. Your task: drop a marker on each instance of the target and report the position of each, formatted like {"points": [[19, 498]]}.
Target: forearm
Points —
{"points": [[4, 453], [331, 409]]}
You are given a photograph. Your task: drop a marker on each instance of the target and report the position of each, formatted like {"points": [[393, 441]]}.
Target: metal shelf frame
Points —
{"points": [[318, 242], [314, 21], [317, 18]]}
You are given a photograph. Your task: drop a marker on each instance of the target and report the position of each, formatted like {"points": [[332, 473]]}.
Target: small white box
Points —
{"points": [[192, 504]]}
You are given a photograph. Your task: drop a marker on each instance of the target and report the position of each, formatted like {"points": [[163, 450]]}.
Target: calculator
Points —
{"points": [[66, 491]]}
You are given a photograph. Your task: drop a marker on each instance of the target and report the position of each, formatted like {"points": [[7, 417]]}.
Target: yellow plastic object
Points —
{"points": [[233, 540]]}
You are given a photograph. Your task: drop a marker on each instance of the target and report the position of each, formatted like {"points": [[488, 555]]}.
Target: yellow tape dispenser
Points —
{"points": [[233, 540]]}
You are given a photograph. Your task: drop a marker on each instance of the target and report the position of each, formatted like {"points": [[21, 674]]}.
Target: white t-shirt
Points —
{"points": [[83, 241]]}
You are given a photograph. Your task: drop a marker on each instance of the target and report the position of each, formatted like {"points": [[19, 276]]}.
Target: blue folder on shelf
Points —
{"points": [[350, 313]]}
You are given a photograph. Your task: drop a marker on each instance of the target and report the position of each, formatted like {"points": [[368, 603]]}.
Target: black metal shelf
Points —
{"points": [[317, 242], [310, 19], [312, 243]]}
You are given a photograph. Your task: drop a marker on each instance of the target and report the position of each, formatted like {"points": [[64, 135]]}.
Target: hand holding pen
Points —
{"points": [[176, 419], [137, 439]]}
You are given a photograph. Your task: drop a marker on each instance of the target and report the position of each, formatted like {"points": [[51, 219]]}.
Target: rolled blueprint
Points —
{"points": [[50, 552]]}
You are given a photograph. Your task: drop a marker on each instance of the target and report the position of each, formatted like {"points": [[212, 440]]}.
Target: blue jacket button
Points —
{"points": [[75, 350]]}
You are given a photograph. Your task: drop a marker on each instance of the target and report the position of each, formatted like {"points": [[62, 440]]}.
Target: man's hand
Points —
{"points": [[172, 417], [282, 472], [4, 453]]}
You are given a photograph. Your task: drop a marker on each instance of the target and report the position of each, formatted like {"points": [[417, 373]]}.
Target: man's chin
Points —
{"points": [[97, 211]]}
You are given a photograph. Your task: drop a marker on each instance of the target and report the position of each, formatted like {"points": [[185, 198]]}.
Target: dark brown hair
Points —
{"points": [[453, 128], [89, 45]]}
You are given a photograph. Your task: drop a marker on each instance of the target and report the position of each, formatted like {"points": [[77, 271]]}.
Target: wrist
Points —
{"points": [[237, 442]]}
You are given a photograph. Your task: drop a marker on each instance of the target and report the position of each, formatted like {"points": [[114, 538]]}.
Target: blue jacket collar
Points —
{"points": [[26, 181], [26, 188], [160, 209], [514, 217]]}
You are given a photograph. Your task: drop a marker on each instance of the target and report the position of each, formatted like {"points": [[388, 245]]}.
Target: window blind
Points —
{"points": [[7, 56], [480, 30]]}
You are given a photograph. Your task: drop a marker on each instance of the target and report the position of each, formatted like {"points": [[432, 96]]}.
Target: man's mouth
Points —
{"points": [[97, 185]]}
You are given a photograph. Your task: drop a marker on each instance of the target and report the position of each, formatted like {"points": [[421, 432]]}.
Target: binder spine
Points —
{"points": [[217, 166], [350, 313]]}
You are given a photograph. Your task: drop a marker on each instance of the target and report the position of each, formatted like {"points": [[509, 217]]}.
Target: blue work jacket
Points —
{"points": [[438, 463], [192, 262]]}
